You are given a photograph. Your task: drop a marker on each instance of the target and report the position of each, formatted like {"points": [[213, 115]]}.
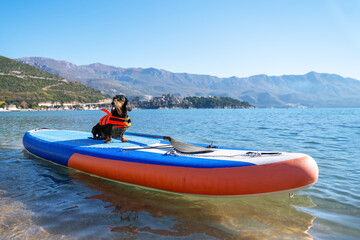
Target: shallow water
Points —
{"points": [[39, 199]]}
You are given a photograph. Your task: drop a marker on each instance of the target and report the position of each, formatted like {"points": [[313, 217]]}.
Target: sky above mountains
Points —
{"points": [[221, 38]]}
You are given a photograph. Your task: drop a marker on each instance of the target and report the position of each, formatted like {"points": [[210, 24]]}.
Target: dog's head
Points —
{"points": [[118, 101]]}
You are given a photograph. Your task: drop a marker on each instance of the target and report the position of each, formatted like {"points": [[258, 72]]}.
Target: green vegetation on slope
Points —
{"points": [[216, 102], [8, 66], [170, 101], [21, 83]]}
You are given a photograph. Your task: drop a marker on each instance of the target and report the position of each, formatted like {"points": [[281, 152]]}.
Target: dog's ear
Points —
{"points": [[128, 105]]}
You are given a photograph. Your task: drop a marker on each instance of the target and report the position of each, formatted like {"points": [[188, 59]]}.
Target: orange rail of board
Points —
{"points": [[256, 179]]}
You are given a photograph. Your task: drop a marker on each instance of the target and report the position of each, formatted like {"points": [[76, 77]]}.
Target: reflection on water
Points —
{"points": [[144, 210]]}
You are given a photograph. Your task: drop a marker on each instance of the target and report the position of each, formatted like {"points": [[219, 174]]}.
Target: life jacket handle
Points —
{"points": [[106, 111]]}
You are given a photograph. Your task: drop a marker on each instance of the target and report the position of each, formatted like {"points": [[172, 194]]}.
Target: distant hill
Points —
{"points": [[311, 90], [170, 101], [27, 85]]}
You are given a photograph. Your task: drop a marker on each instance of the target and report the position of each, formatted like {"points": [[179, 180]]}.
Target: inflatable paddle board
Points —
{"points": [[164, 163]]}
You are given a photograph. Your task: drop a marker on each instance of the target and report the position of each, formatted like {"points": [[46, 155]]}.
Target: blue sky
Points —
{"points": [[222, 38]]}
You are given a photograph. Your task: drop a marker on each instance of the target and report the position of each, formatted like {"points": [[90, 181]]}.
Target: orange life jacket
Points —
{"points": [[118, 122]]}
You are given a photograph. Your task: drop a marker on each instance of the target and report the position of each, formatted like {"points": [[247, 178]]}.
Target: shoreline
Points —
{"points": [[93, 109], [45, 110]]}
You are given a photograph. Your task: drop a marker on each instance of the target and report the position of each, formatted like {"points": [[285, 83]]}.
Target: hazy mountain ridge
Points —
{"points": [[312, 89]]}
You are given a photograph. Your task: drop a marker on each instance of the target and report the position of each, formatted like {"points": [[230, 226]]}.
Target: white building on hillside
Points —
{"points": [[45, 104]]}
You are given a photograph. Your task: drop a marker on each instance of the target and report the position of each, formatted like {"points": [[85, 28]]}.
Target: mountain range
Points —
{"points": [[311, 90]]}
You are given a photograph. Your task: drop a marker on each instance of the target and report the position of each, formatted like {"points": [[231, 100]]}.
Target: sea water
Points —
{"points": [[42, 200]]}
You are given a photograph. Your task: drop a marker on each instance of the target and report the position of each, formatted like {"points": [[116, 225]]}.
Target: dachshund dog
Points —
{"points": [[114, 124]]}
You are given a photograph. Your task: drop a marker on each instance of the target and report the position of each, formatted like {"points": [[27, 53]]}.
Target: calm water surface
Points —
{"points": [[39, 199]]}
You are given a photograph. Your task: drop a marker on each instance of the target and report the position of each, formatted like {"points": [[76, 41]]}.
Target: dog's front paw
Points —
{"points": [[123, 139], [108, 140]]}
